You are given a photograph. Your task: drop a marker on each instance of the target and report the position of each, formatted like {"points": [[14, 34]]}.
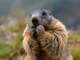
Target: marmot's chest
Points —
{"points": [[43, 56]]}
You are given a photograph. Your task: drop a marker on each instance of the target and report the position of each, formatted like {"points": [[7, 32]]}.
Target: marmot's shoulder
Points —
{"points": [[57, 25]]}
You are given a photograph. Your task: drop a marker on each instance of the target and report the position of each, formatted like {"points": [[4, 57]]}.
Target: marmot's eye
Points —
{"points": [[44, 13]]}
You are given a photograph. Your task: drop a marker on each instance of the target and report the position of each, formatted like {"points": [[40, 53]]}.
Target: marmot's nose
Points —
{"points": [[35, 21]]}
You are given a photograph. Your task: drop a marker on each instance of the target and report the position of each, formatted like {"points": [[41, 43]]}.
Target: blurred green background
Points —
{"points": [[13, 18]]}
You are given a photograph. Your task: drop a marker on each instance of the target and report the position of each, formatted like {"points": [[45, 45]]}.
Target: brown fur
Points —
{"points": [[50, 45]]}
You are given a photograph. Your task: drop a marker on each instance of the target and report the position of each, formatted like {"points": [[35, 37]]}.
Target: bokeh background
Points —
{"points": [[14, 15]]}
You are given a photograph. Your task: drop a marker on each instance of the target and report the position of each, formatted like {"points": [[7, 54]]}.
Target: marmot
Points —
{"points": [[45, 38]]}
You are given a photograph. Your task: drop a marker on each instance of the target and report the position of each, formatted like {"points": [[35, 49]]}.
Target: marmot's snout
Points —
{"points": [[35, 21]]}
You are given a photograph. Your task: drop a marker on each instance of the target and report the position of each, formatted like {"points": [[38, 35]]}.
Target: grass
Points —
{"points": [[75, 53], [75, 50], [74, 36], [7, 50]]}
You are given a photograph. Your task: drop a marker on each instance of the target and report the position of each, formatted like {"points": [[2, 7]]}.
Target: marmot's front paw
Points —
{"points": [[27, 31], [40, 29]]}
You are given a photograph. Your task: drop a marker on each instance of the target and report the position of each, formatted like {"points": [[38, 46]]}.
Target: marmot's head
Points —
{"points": [[41, 17]]}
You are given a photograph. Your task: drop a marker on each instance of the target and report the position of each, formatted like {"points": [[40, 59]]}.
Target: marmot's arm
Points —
{"points": [[53, 40], [30, 45]]}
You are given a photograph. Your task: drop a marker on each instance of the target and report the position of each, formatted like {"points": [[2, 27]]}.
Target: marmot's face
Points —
{"points": [[41, 17]]}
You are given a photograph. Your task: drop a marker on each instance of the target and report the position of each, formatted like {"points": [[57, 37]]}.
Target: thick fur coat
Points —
{"points": [[50, 44]]}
